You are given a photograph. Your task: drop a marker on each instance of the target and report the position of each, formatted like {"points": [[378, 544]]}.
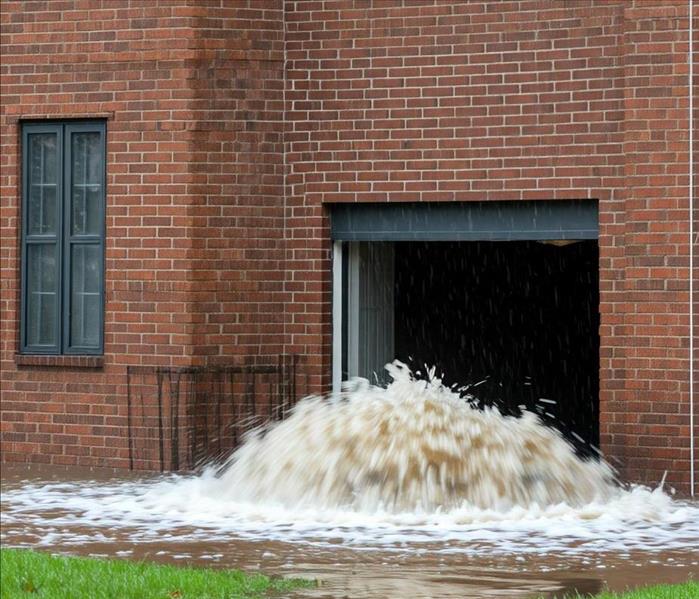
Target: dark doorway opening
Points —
{"points": [[521, 318]]}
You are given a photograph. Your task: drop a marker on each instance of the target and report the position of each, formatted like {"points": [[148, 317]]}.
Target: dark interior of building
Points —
{"points": [[517, 321]]}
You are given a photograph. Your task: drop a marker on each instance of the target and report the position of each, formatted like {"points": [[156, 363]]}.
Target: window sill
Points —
{"points": [[59, 361]]}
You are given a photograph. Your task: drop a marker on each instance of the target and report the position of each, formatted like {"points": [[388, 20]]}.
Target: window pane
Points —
{"points": [[93, 196], [78, 210], [86, 282], [42, 183], [41, 294], [35, 209], [87, 165]]}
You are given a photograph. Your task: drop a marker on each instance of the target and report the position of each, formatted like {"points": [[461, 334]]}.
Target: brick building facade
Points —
{"points": [[232, 127]]}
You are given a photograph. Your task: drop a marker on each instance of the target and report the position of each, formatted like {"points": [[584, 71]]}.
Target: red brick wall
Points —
{"points": [[237, 180], [230, 129], [645, 420], [447, 101], [192, 94], [459, 101]]}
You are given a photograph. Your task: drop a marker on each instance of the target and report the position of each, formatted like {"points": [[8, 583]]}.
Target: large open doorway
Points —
{"points": [[515, 320]]}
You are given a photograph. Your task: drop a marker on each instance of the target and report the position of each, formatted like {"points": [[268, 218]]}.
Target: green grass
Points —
{"points": [[34, 575], [688, 590]]}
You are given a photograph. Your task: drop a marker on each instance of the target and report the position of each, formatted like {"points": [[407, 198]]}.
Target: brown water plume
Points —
{"points": [[415, 445]]}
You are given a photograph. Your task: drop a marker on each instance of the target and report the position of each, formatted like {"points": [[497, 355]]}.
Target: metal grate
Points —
{"points": [[180, 418]]}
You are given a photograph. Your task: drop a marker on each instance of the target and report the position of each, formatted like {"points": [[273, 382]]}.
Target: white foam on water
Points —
{"points": [[410, 466]]}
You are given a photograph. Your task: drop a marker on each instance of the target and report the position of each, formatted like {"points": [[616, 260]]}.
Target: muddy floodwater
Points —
{"points": [[344, 559], [403, 490]]}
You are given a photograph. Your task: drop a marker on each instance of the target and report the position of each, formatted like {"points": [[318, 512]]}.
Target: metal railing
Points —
{"points": [[180, 418]]}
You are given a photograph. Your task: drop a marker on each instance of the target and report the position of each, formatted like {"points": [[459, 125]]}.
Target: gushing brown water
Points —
{"points": [[413, 446]]}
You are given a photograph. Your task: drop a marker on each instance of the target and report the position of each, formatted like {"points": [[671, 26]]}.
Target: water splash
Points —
{"points": [[409, 466], [415, 445]]}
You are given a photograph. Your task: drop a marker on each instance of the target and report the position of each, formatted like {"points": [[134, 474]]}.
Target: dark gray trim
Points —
{"points": [[70, 239], [63, 238], [27, 240], [465, 221]]}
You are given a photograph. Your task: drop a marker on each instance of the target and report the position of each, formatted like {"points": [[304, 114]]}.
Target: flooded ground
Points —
{"points": [[344, 558]]}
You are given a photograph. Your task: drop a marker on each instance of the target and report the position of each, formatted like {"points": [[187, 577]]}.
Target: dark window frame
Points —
{"points": [[64, 239]]}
